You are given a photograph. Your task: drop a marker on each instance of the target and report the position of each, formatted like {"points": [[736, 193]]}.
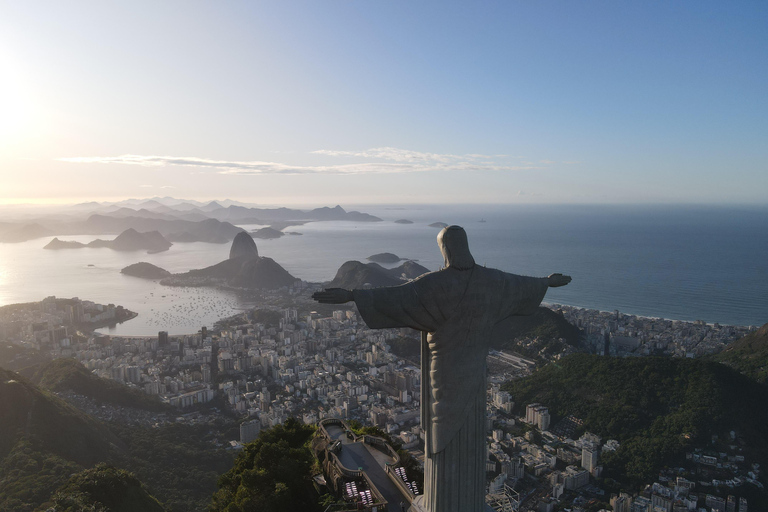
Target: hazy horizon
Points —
{"points": [[312, 103]]}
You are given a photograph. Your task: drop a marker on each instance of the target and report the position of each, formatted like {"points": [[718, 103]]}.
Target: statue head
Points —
{"points": [[455, 248]]}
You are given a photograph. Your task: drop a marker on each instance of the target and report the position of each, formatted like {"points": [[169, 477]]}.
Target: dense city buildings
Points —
{"points": [[615, 333], [288, 360]]}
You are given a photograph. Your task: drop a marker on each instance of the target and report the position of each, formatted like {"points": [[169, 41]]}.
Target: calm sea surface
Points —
{"points": [[688, 263]]}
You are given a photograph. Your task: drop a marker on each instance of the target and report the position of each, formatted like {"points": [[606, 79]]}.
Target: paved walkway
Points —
{"points": [[359, 455]]}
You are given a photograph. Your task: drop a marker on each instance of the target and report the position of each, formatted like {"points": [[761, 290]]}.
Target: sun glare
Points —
{"points": [[18, 112]]}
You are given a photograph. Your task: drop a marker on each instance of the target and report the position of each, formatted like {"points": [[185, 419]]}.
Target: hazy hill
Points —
{"points": [[13, 233], [749, 355], [69, 375], [354, 274], [145, 271], [132, 240], [657, 408], [105, 488]]}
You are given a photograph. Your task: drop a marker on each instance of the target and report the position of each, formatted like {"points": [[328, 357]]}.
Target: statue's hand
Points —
{"points": [[333, 296], [556, 280]]}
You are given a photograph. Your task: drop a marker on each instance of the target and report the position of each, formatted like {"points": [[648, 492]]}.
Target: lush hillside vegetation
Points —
{"points": [[271, 474], [104, 489], [69, 375], [44, 440], [179, 464], [749, 355], [656, 408]]}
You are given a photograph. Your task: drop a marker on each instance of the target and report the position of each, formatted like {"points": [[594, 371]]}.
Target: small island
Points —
{"points": [[268, 233], [145, 270], [403, 221], [440, 225], [385, 257], [57, 244]]}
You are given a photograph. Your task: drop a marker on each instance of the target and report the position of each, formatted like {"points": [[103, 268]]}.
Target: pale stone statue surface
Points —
{"points": [[459, 306]]}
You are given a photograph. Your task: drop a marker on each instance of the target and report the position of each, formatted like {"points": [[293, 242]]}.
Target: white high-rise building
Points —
{"points": [[589, 455], [543, 422]]}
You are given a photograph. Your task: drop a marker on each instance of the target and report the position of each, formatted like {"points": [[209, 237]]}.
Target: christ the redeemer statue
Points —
{"points": [[459, 307]]}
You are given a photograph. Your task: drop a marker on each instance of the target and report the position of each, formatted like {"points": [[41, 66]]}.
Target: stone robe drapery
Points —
{"points": [[459, 309]]}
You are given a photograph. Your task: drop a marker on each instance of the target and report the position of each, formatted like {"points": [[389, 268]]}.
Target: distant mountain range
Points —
{"points": [[177, 220]]}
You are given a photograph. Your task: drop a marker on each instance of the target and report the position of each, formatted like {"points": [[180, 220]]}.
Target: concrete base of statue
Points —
{"points": [[417, 506]]}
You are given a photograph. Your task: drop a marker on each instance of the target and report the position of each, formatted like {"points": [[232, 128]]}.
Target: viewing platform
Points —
{"points": [[363, 470]]}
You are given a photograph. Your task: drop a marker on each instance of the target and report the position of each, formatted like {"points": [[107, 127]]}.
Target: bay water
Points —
{"points": [[681, 262]]}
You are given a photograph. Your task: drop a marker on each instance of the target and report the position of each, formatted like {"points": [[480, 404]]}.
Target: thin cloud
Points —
{"points": [[401, 155], [397, 161]]}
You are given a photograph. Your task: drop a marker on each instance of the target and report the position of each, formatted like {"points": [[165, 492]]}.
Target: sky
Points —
{"points": [[381, 102]]}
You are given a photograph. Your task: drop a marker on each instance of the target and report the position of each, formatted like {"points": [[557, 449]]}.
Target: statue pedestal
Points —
{"points": [[417, 506]]}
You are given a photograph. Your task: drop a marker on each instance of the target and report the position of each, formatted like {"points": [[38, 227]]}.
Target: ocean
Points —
{"points": [[678, 262]]}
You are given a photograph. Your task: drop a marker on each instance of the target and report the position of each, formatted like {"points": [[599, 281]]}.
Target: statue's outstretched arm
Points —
{"points": [[333, 296], [556, 280]]}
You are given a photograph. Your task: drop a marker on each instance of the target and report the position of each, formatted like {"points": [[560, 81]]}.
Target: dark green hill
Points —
{"points": [[104, 488], [69, 375], [749, 355], [657, 408], [43, 440], [50, 423]]}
